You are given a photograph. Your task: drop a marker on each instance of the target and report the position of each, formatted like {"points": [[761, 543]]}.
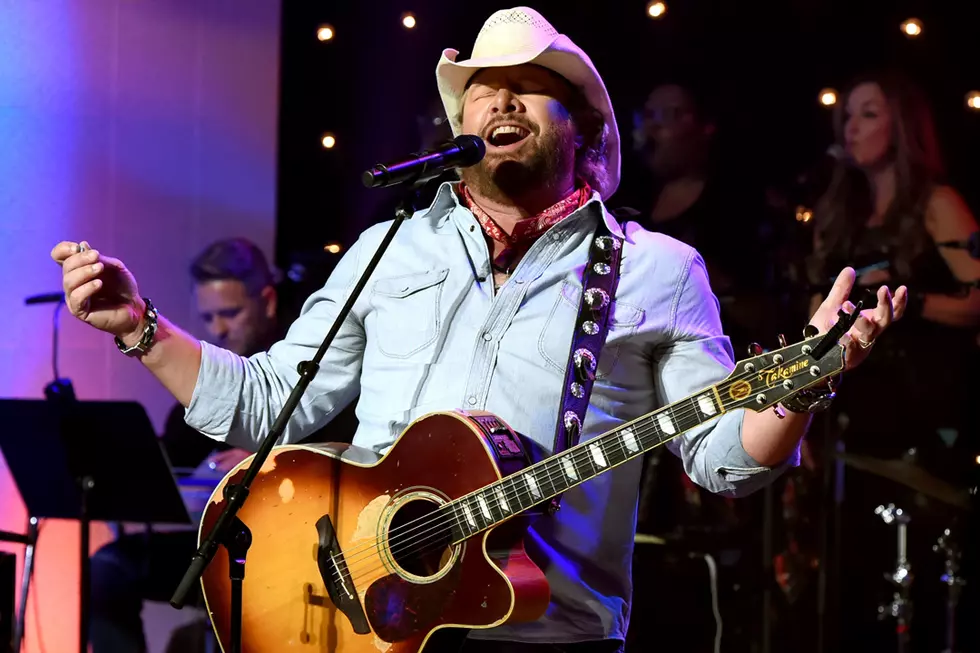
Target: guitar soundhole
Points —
{"points": [[419, 539]]}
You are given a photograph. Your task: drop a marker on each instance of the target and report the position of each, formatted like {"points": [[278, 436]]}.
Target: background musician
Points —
{"points": [[236, 299], [886, 208]]}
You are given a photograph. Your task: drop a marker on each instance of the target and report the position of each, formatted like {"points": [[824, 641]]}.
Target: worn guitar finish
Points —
{"points": [[356, 553], [486, 581]]}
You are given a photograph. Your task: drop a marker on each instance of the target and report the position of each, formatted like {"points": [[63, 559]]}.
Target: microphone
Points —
{"points": [[971, 244], [463, 151], [45, 298]]}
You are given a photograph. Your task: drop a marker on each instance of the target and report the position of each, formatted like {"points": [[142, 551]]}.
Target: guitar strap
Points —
{"points": [[591, 326]]}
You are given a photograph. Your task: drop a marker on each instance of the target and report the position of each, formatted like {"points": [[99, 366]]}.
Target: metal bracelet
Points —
{"points": [[812, 400], [149, 331]]}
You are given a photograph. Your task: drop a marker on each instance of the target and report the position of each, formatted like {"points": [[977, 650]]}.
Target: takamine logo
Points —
{"points": [[740, 390], [775, 376]]}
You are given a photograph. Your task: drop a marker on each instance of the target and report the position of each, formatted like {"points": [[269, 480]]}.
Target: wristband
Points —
{"points": [[149, 331]]}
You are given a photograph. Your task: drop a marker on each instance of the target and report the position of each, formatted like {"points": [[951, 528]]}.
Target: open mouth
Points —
{"points": [[506, 135]]}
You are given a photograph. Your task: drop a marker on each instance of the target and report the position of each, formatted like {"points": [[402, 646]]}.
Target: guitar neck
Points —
{"points": [[755, 384], [500, 501]]}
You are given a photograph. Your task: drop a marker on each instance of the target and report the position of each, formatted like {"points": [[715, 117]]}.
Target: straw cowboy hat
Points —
{"points": [[521, 35]]}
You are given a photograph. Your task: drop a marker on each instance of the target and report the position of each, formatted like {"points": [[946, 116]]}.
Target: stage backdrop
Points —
{"points": [[149, 129]]}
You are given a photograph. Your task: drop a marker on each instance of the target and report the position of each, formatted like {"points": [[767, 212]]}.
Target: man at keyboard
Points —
{"points": [[236, 299]]}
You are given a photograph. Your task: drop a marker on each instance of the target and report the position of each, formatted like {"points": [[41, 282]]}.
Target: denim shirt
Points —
{"points": [[429, 333]]}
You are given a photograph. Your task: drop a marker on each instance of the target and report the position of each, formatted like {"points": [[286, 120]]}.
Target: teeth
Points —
{"points": [[508, 129]]}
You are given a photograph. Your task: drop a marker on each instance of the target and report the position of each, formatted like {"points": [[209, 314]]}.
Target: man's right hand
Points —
{"points": [[100, 290]]}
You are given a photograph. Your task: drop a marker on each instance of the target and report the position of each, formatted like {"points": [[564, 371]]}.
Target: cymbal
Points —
{"points": [[911, 476]]}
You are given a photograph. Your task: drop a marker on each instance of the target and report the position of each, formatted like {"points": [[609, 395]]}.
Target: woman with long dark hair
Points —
{"points": [[884, 213]]}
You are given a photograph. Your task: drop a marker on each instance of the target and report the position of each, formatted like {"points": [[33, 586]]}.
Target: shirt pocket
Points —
{"points": [[406, 311], [555, 342]]}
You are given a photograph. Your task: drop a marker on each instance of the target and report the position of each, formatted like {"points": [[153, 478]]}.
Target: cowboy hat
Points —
{"points": [[521, 35]]}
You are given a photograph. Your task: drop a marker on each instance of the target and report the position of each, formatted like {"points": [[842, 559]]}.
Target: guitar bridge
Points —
{"points": [[336, 576]]}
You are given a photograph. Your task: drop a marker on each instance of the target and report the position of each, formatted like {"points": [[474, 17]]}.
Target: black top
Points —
{"points": [[186, 447], [914, 389], [733, 231]]}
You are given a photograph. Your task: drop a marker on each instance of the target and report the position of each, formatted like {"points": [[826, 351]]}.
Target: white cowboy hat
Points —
{"points": [[521, 35]]}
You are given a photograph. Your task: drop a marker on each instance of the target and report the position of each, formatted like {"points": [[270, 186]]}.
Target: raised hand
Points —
{"points": [[100, 291], [869, 325]]}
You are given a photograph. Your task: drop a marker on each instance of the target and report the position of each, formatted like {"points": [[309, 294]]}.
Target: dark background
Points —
{"points": [[764, 61]]}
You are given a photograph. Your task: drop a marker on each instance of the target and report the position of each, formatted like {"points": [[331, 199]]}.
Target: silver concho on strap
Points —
{"points": [[602, 269], [577, 390], [572, 421], [585, 360], [590, 327], [606, 243], [596, 298]]}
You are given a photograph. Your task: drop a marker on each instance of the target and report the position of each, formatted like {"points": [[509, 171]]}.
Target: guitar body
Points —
{"points": [[322, 574]]}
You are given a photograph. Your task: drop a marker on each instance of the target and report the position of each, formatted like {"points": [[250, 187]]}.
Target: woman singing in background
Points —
{"points": [[883, 214]]}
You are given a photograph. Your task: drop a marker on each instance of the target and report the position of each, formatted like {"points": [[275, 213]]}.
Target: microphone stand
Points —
{"points": [[229, 531]]}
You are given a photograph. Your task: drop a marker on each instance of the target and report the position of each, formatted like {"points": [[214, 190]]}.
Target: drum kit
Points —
{"points": [[906, 472]]}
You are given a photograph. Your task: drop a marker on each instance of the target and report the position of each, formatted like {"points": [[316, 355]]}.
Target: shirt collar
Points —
{"points": [[446, 200]]}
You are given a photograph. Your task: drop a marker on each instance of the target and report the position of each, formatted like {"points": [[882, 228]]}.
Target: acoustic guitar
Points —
{"points": [[355, 552]]}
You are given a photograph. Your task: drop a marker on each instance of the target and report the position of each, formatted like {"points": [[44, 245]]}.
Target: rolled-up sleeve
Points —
{"points": [[236, 399], [698, 355]]}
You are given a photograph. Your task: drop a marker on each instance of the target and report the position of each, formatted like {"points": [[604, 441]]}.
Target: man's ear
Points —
{"points": [[270, 299]]}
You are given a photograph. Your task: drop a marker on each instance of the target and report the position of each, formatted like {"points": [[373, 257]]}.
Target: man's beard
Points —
{"points": [[538, 165]]}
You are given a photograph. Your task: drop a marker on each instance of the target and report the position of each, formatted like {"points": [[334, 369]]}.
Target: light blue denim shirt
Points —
{"points": [[430, 334]]}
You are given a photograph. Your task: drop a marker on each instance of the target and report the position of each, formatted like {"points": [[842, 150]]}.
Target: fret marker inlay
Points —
{"points": [[532, 485], [597, 455], [484, 507], [569, 468], [706, 405], [503, 499], [469, 515], [630, 439], [665, 424]]}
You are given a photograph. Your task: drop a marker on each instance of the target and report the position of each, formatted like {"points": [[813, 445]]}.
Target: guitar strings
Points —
{"points": [[437, 520]]}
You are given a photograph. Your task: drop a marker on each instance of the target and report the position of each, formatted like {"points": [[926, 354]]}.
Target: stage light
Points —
{"points": [[329, 140], [912, 27], [973, 100], [333, 248], [803, 214], [828, 97], [325, 33], [656, 9], [408, 21]]}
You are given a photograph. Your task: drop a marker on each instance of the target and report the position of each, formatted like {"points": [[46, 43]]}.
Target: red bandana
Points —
{"points": [[526, 231]]}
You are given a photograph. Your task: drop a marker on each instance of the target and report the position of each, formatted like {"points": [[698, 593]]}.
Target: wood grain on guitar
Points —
{"points": [[365, 553]]}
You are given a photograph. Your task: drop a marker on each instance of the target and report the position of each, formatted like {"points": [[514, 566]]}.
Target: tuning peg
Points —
{"points": [[755, 349], [782, 340], [810, 331]]}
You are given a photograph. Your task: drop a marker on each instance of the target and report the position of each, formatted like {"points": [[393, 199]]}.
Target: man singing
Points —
{"points": [[473, 306]]}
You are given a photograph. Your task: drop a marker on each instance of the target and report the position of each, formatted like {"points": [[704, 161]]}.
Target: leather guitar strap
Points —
{"points": [[591, 327]]}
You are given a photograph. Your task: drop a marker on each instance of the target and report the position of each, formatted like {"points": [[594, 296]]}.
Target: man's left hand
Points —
{"points": [[870, 324]]}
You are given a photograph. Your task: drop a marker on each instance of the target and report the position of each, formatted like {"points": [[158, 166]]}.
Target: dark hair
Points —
{"points": [[842, 211], [236, 259]]}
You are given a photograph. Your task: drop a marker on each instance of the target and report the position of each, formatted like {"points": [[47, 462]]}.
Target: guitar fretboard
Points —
{"points": [[502, 500]]}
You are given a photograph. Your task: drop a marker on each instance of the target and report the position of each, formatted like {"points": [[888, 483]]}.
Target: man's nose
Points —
{"points": [[218, 328], [506, 102]]}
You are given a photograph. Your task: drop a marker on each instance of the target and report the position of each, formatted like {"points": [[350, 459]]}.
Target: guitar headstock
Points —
{"points": [[764, 380]]}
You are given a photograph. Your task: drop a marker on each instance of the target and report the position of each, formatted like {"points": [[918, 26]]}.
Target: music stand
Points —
{"points": [[65, 456]]}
